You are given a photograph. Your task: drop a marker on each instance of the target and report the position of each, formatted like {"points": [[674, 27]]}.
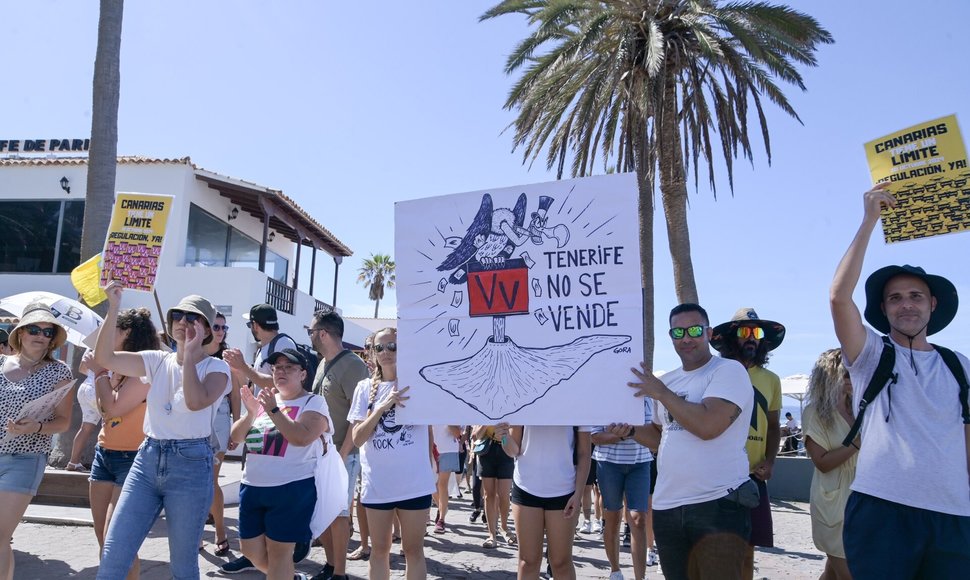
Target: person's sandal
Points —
{"points": [[489, 543], [79, 467], [510, 538], [222, 548], [359, 554]]}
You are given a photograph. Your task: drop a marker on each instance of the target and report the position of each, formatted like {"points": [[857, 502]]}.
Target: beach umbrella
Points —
{"points": [[78, 319], [796, 387]]}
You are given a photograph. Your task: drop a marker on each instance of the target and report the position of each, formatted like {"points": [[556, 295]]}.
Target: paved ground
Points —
{"points": [[45, 550]]}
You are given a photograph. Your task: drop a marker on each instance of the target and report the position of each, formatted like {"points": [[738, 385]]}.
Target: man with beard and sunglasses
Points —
{"points": [[748, 339]]}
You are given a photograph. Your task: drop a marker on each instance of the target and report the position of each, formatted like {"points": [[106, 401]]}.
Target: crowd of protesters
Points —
{"points": [[319, 428]]}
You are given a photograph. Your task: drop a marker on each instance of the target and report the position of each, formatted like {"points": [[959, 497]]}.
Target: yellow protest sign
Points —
{"points": [[927, 165], [135, 239], [86, 279]]}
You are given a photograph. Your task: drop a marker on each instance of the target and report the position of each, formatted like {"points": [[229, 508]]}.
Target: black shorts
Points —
{"points": [[653, 475], [524, 498], [591, 478], [495, 463], [415, 503]]}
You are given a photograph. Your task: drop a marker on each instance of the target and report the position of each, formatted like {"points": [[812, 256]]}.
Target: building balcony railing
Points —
{"points": [[279, 296], [321, 305]]}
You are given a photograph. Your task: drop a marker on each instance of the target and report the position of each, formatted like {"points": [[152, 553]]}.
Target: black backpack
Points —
{"points": [[884, 375], [310, 355]]}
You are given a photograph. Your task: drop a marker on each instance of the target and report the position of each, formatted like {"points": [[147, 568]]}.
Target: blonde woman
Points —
{"points": [[28, 374], [826, 421], [396, 464]]}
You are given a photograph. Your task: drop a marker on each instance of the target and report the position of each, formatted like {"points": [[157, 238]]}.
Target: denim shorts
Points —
{"points": [[619, 480], [352, 463], [111, 466], [281, 512], [22, 472], [449, 462]]}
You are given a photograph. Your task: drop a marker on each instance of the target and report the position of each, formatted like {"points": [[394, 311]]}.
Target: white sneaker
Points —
{"points": [[597, 527], [618, 575], [586, 528], [652, 559]]}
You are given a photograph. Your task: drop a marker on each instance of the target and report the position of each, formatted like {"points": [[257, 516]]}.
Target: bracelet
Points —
{"points": [[103, 375], [39, 426]]}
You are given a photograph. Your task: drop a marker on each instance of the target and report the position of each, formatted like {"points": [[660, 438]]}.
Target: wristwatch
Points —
{"points": [[274, 410]]}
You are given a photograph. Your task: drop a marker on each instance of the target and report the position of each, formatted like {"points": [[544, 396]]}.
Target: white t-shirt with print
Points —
{"points": [[444, 440], [544, 467], [166, 415], [917, 457], [689, 469], [396, 459], [271, 460]]}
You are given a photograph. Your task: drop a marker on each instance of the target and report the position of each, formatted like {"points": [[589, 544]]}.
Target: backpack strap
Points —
{"points": [[880, 378], [953, 363]]}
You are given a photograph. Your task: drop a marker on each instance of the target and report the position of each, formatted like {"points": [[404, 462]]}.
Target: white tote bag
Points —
{"points": [[331, 479]]}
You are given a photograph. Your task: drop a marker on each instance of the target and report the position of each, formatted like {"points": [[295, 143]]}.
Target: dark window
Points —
{"points": [[212, 242], [31, 232]]}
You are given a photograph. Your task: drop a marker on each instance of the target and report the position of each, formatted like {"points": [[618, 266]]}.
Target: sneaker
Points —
{"points": [[616, 575], [300, 551], [301, 576], [598, 526], [652, 559], [474, 516], [238, 565], [586, 528], [325, 574], [439, 527], [626, 535]]}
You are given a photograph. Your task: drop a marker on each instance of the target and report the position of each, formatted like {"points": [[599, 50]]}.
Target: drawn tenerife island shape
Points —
{"points": [[503, 377]]}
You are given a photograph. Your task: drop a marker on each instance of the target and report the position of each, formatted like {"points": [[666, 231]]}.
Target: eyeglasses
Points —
{"points": [[310, 331], [190, 317], [249, 324], [755, 332], [220, 327], [679, 332], [286, 369], [34, 330], [391, 346]]}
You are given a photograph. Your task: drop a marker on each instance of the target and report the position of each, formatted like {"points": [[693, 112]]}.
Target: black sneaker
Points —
{"points": [[300, 551], [241, 564], [474, 517], [626, 535], [325, 574]]}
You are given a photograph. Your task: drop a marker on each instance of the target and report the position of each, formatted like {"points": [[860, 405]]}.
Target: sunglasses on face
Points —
{"points": [[310, 331], [220, 327], [190, 317], [390, 347], [249, 324], [755, 332], [680, 332], [34, 330]]}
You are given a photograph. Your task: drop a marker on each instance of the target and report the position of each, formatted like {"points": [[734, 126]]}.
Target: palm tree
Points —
{"points": [[102, 163], [377, 273], [649, 84]]}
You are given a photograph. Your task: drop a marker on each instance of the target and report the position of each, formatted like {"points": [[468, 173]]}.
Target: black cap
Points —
{"points": [[263, 315], [291, 355]]}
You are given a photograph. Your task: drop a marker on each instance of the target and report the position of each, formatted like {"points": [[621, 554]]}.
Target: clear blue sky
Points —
{"points": [[349, 107]]}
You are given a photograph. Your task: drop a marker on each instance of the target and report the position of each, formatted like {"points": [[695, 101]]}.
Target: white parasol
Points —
{"points": [[78, 319]]}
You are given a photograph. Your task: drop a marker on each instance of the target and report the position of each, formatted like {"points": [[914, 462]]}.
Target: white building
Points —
{"points": [[234, 242]]}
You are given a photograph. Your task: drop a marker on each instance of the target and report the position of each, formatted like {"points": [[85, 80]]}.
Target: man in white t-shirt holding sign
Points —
{"points": [[702, 499]]}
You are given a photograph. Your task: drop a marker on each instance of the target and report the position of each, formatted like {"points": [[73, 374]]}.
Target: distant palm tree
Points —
{"points": [[377, 273], [650, 84]]}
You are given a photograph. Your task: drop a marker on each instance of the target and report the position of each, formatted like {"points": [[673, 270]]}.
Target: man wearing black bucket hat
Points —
{"points": [[909, 512], [748, 339]]}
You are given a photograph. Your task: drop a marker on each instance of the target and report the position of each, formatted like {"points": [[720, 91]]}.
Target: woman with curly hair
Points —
{"points": [[396, 463], [826, 421], [121, 402]]}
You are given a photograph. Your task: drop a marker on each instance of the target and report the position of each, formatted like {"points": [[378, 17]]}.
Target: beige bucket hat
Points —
{"points": [[198, 305], [38, 312]]}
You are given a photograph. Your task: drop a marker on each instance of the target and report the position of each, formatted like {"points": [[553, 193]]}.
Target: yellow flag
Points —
{"points": [[86, 279]]}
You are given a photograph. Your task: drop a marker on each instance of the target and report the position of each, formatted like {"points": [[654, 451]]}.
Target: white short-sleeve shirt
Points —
{"points": [[166, 415]]}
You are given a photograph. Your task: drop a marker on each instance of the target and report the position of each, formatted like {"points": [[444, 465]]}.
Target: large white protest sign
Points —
{"points": [[520, 304]]}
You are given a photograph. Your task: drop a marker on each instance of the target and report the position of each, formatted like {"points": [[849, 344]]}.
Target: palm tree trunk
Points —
{"points": [[102, 162], [673, 189], [645, 179], [377, 304]]}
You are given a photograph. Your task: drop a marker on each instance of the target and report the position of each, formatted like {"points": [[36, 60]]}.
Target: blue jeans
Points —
{"points": [[706, 540], [172, 474]]}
